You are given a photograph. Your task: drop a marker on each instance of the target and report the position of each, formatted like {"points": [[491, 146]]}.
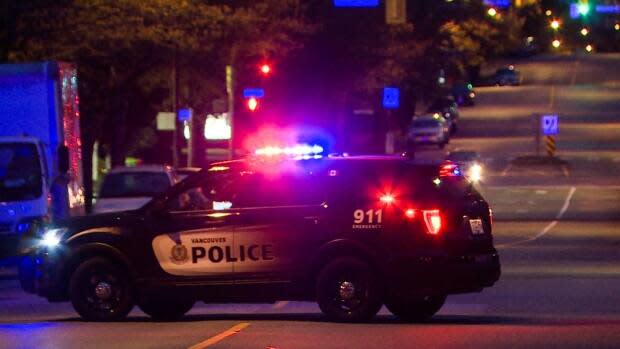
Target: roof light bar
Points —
{"points": [[299, 150]]}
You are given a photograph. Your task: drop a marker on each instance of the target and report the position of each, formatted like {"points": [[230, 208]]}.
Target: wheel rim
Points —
{"points": [[349, 293], [102, 291]]}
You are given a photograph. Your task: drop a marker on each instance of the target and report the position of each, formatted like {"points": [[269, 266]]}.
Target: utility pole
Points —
{"points": [[175, 107]]}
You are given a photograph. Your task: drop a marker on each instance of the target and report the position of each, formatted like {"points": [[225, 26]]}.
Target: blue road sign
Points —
{"points": [[356, 3], [549, 125], [391, 97], [253, 92], [185, 114]]}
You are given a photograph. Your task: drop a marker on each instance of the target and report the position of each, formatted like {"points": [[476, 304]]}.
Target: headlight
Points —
{"points": [[52, 237], [475, 173]]}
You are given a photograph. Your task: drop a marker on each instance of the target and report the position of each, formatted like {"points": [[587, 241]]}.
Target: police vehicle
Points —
{"points": [[351, 233]]}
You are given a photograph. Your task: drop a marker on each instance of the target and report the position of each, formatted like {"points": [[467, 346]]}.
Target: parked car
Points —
{"points": [[506, 76], [429, 129], [448, 109], [129, 188]]}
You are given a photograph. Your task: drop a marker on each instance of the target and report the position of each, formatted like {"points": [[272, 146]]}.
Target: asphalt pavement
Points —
{"points": [[557, 231]]}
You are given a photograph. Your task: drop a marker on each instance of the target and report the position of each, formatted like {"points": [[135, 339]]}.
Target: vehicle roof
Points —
{"points": [[141, 168]]}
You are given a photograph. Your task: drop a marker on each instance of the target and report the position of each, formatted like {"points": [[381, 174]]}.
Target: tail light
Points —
{"points": [[432, 219]]}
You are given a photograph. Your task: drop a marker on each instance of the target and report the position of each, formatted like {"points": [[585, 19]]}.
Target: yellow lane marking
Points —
{"points": [[217, 338]]}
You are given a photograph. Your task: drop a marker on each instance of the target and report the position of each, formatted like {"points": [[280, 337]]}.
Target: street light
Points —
{"points": [[492, 12], [617, 26], [589, 48], [548, 13], [556, 43], [584, 31], [555, 24]]}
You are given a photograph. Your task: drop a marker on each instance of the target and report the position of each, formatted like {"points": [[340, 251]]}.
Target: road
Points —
{"points": [[557, 232]]}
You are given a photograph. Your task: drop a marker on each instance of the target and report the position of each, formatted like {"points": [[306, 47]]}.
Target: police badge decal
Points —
{"points": [[178, 254]]}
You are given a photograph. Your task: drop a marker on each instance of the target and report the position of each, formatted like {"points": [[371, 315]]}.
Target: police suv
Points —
{"points": [[351, 233]]}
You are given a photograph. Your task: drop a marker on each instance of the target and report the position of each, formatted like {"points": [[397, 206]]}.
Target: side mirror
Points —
{"points": [[63, 159]]}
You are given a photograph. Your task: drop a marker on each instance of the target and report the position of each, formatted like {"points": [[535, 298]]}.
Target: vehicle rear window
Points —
{"points": [[134, 184], [425, 123]]}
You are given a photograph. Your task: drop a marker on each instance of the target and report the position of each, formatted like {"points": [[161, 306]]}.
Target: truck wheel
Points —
{"points": [[101, 291], [416, 309], [166, 310], [348, 291]]}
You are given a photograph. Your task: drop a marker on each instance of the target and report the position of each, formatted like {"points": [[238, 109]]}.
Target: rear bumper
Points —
{"points": [[443, 274]]}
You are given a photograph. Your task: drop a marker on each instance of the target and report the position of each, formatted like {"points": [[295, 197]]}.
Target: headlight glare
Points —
{"points": [[52, 237]]}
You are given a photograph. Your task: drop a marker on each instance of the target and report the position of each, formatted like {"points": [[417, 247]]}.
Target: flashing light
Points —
{"points": [[410, 213], [432, 219], [387, 199], [556, 43], [492, 12], [449, 169], [300, 150], [584, 31], [252, 103], [265, 69], [589, 48]]}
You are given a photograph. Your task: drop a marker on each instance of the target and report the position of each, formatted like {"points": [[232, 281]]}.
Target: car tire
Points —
{"points": [[416, 309], [101, 291], [166, 310], [348, 290]]}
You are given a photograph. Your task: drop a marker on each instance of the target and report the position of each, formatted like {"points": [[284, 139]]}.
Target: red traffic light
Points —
{"points": [[252, 103], [265, 69]]}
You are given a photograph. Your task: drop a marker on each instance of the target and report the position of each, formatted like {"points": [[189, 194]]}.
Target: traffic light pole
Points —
{"points": [[230, 91]]}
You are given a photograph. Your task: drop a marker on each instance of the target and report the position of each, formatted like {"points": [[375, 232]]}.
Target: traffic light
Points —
{"points": [[252, 104]]}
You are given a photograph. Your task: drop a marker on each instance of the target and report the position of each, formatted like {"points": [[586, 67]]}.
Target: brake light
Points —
{"points": [[410, 213], [432, 219]]}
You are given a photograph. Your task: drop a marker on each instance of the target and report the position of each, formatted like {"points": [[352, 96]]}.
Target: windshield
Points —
{"points": [[425, 124], [20, 172], [134, 184]]}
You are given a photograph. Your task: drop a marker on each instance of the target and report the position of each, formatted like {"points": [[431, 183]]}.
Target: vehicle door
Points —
{"points": [[281, 218], [191, 235]]}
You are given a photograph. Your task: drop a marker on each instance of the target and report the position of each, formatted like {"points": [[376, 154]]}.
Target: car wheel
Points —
{"points": [[348, 291], [416, 309], [166, 310], [101, 291]]}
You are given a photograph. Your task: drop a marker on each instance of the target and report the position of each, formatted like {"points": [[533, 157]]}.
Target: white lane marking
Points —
{"points": [[549, 226], [279, 305], [221, 336]]}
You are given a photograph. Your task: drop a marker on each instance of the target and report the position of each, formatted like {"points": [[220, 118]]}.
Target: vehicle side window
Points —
{"points": [[285, 190], [212, 192]]}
